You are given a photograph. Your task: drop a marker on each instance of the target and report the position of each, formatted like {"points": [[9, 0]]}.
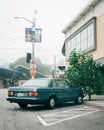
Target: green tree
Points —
{"points": [[83, 72]]}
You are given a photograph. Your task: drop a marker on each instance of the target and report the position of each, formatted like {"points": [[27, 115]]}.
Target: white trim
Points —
{"points": [[82, 13]]}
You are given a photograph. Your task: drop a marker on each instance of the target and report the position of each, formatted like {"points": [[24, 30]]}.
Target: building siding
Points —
{"points": [[97, 10], [99, 52]]}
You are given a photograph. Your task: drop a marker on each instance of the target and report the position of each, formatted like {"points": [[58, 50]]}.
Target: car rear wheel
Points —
{"points": [[51, 104], [79, 100], [22, 105]]}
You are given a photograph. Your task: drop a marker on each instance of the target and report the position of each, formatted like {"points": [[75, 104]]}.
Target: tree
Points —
{"points": [[83, 72], [43, 68]]}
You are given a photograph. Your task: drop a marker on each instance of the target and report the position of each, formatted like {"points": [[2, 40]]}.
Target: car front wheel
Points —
{"points": [[51, 104], [79, 100]]}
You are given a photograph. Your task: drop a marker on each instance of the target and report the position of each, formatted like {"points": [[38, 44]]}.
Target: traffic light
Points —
{"points": [[28, 57]]}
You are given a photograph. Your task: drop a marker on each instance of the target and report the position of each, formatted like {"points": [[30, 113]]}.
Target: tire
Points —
{"points": [[22, 105], [51, 104], [79, 100]]}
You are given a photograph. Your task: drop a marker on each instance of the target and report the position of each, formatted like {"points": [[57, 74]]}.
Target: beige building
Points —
{"points": [[86, 31]]}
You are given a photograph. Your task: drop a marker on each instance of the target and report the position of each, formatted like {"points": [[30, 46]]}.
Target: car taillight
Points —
{"points": [[33, 94], [10, 93]]}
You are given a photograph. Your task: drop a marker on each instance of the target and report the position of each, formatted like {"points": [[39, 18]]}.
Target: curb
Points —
{"points": [[93, 104]]}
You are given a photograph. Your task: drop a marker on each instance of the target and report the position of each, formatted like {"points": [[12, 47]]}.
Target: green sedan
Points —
{"points": [[47, 91]]}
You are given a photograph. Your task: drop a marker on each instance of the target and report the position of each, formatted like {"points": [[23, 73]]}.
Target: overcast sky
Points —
{"points": [[52, 16]]}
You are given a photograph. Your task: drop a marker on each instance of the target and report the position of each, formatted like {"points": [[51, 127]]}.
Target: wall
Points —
{"points": [[99, 53]]}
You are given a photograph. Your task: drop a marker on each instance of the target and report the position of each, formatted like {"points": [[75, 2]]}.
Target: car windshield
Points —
{"points": [[37, 83]]}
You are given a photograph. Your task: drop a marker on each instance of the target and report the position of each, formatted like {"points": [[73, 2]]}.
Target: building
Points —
{"points": [[86, 31]]}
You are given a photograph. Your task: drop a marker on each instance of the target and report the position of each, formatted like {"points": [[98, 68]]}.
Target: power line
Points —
{"points": [[7, 21]]}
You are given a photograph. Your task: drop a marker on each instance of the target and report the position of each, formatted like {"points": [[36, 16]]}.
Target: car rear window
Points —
{"points": [[37, 82]]}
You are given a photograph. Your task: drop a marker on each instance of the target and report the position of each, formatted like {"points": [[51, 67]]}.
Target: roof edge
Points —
{"points": [[83, 11]]}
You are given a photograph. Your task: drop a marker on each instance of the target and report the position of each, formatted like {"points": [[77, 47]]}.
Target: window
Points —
{"points": [[67, 48], [90, 36], [61, 84], [78, 42], [37, 82], [83, 39]]}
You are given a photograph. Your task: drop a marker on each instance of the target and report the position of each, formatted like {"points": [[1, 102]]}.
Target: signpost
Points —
{"points": [[32, 35]]}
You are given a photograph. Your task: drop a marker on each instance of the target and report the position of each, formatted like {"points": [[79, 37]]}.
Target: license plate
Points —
{"points": [[20, 94]]}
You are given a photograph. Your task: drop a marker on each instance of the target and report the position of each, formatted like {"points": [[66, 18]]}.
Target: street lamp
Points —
{"points": [[23, 18], [33, 38], [33, 29]]}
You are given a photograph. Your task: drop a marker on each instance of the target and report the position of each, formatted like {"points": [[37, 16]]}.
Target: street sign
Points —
{"points": [[29, 35], [32, 64]]}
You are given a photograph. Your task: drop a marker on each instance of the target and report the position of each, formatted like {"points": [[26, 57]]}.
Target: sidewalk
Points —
{"points": [[96, 101]]}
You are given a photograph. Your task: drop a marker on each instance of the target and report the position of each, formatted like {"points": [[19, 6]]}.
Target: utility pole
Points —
{"points": [[33, 36], [32, 61]]}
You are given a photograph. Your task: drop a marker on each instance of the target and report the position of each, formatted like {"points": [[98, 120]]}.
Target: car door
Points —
{"points": [[68, 93], [62, 90]]}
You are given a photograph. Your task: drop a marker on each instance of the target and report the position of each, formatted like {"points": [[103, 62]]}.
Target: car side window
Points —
{"points": [[50, 84], [65, 84], [56, 84], [61, 84]]}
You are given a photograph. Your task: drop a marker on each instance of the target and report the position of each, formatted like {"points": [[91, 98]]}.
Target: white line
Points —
{"points": [[56, 115], [83, 108], [49, 124], [42, 121]]}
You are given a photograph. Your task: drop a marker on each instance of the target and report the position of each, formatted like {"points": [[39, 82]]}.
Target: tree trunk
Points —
{"points": [[89, 94]]}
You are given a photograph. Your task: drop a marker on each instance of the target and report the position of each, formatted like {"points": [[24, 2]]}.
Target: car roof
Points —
{"points": [[47, 78]]}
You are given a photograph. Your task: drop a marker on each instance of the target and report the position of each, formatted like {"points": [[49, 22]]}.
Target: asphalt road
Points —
{"points": [[64, 117]]}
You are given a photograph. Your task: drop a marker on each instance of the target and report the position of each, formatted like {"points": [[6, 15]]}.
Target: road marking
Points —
{"points": [[42, 121], [57, 117]]}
